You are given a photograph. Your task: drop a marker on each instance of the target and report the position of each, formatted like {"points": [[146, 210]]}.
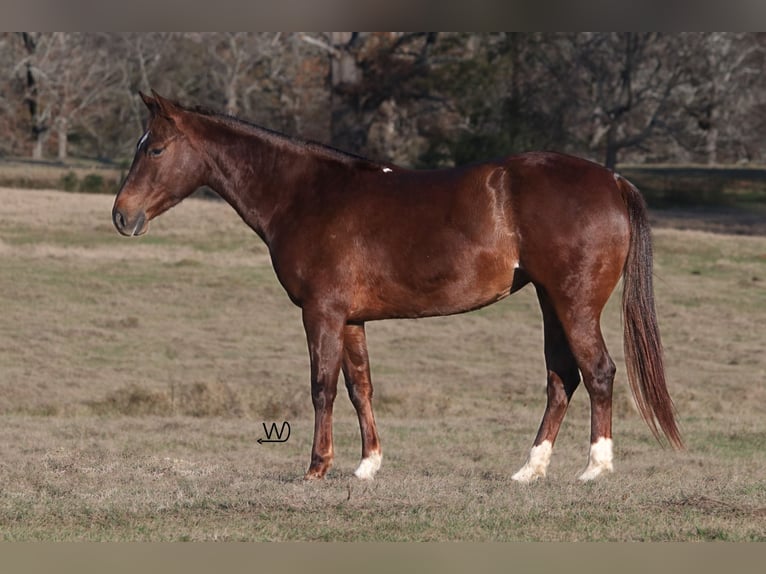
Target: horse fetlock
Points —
{"points": [[369, 466], [599, 459], [537, 463]]}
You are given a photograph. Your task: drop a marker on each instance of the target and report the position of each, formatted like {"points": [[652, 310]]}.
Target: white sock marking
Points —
{"points": [[599, 460], [369, 466], [387, 170], [537, 463]]}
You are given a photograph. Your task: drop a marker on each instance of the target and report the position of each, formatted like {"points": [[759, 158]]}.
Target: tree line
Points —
{"points": [[418, 99]]}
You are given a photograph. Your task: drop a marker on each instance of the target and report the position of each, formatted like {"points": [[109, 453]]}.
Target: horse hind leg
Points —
{"points": [[563, 379], [356, 373], [598, 370], [598, 375]]}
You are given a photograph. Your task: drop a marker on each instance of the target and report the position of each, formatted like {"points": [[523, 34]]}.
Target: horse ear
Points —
{"points": [[166, 107], [150, 102]]}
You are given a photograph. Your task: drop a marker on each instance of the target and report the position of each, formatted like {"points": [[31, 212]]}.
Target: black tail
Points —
{"points": [[643, 347]]}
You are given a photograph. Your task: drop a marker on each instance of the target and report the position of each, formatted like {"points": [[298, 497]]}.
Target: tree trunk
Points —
{"points": [[610, 160], [31, 98], [347, 130], [231, 97], [62, 129], [345, 69], [711, 145], [37, 148]]}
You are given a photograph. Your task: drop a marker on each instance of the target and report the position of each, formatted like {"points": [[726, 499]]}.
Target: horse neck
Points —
{"points": [[256, 173]]}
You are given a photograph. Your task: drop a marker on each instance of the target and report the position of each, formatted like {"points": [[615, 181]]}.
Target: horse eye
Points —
{"points": [[155, 151]]}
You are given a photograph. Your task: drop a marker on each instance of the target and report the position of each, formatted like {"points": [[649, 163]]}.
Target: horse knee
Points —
{"points": [[322, 394]]}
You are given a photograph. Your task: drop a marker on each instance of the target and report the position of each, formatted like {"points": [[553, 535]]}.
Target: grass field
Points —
{"points": [[135, 376]]}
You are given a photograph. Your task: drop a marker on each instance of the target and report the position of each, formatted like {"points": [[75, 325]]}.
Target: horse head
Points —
{"points": [[167, 167]]}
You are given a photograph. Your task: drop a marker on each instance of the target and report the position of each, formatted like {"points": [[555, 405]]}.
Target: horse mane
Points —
{"points": [[282, 139]]}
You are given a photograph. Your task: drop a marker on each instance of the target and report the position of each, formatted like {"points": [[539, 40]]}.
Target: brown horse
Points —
{"points": [[353, 240]]}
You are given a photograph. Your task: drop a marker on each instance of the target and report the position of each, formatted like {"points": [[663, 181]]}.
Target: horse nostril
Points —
{"points": [[119, 220]]}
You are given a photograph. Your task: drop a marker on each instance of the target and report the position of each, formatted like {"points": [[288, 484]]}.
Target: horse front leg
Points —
{"points": [[356, 372], [324, 333]]}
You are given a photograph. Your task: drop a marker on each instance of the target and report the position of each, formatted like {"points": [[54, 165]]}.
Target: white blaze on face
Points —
{"points": [[387, 170], [537, 463], [142, 141], [599, 460], [369, 466]]}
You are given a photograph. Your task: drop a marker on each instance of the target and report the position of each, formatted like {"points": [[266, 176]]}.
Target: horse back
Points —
{"points": [[405, 243]]}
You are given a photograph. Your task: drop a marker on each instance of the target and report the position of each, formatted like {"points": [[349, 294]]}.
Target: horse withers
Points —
{"points": [[354, 240]]}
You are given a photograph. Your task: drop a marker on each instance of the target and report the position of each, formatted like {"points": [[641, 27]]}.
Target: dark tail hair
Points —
{"points": [[643, 348]]}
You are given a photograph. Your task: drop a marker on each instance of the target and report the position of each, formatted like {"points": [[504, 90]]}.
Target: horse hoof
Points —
{"points": [[527, 475], [593, 472], [315, 474], [369, 466]]}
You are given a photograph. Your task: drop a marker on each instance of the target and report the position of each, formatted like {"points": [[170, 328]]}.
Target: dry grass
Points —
{"points": [[135, 375]]}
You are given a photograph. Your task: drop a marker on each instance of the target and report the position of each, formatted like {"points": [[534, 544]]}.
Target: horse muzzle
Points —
{"points": [[129, 225]]}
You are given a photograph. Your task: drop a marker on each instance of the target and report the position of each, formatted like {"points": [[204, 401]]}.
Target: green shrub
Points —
{"points": [[69, 181], [93, 183]]}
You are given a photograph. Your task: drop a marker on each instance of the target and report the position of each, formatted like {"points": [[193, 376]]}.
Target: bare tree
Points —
{"points": [[724, 88], [63, 75], [370, 75], [29, 72], [81, 75], [9, 104], [620, 87], [234, 56], [416, 98], [143, 59], [248, 74]]}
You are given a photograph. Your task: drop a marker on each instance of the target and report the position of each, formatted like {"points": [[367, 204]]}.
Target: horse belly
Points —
{"points": [[446, 253], [423, 287]]}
